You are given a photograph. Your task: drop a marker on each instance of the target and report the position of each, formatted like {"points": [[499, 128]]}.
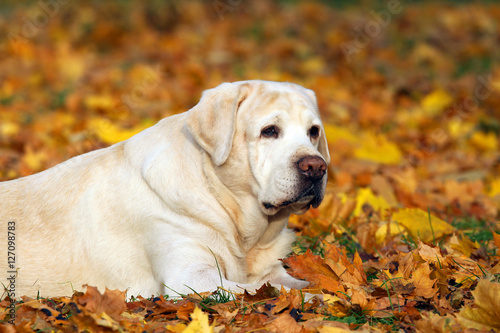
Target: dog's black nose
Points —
{"points": [[313, 167]]}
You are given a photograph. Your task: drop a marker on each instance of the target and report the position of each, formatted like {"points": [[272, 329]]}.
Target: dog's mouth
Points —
{"points": [[311, 196]]}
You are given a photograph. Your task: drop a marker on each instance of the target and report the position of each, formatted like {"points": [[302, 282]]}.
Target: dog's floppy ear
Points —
{"points": [[212, 122]]}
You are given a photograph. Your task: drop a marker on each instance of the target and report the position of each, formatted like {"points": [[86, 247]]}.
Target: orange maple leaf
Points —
{"points": [[348, 272], [312, 268], [111, 302], [424, 285]]}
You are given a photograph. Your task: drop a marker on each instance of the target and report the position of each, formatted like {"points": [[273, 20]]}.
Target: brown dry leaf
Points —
{"points": [[185, 310], [371, 111], [266, 291], [336, 306], [424, 285], [496, 240], [361, 298], [281, 303], [313, 269], [433, 323], [382, 187], [486, 314], [285, 323], [430, 254], [112, 302], [463, 245], [346, 271]]}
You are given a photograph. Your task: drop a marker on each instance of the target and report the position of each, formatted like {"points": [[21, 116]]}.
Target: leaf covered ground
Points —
{"points": [[407, 236]]}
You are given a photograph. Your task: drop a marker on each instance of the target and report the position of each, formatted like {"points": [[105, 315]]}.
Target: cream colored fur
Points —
{"points": [[159, 209]]}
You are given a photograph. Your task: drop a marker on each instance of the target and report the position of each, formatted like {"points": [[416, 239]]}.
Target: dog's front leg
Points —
{"points": [[264, 264], [199, 278]]}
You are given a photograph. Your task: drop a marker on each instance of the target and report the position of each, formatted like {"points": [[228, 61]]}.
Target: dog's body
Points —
{"points": [[211, 187]]}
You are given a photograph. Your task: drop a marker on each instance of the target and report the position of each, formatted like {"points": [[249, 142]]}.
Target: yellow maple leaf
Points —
{"points": [[422, 225], [8, 128], [484, 141], [435, 102], [378, 149], [458, 128], [177, 328], [486, 314], [103, 102], [494, 188], [336, 133], [336, 306], [365, 196], [389, 229], [463, 245], [71, 65], [105, 320], [199, 323], [314, 65], [34, 159], [110, 133]]}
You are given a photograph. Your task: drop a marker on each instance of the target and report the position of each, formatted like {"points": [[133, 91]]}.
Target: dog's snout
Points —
{"points": [[313, 167]]}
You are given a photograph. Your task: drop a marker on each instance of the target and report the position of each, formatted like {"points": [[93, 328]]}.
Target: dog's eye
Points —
{"points": [[270, 132], [314, 132]]}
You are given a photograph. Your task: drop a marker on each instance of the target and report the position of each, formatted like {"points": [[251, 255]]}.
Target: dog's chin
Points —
{"points": [[307, 197], [293, 207]]}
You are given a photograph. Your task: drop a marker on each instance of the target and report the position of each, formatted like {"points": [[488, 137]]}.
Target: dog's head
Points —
{"points": [[269, 137]]}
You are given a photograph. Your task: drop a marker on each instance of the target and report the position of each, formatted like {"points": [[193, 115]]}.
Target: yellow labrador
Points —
{"points": [[204, 192]]}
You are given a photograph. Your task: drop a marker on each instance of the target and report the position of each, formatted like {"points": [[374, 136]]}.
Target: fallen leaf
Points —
{"points": [[327, 329], [424, 285], [364, 197], [422, 225], [378, 149], [430, 254], [388, 229], [110, 133], [485, 141], [284, 323], [9, 128], [185, 310], [199, 323], [266, 291], [346, 271], [112, 302], [463, 245], [313, 269], [494, 189], [486, 314], [435, 102], [496, 239]]}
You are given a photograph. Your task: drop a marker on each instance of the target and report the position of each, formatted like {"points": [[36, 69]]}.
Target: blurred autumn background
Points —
{"points": [[407, 237]]}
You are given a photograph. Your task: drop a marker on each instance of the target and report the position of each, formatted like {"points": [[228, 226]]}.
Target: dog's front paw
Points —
{"points": [[288, 281]]}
